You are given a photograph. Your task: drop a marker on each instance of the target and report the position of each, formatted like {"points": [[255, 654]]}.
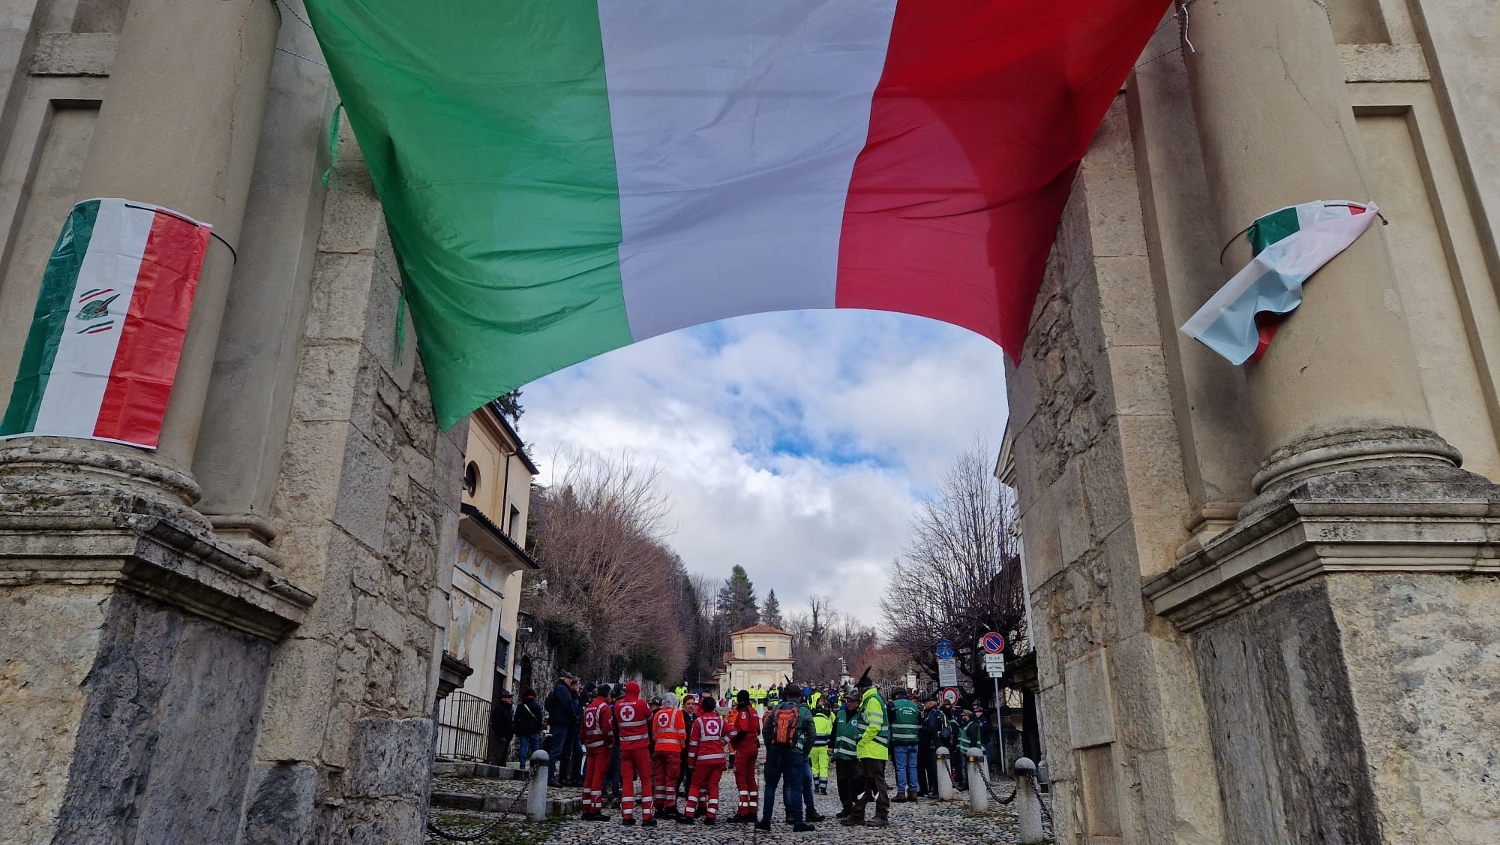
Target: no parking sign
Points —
{"points": [[950, 696]]}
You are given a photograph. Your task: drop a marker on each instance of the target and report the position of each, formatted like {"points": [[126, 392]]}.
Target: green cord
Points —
{"points": [[333, 147]]}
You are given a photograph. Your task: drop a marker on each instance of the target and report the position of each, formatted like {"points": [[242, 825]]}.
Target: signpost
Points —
{"points": [[950, 696], [994, 665], [947, 665]]}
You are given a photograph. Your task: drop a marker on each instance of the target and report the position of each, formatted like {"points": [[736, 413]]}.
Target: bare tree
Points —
{"points": [[960, 576], [599, 534]]}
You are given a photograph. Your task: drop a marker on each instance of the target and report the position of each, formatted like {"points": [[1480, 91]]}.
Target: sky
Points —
{"points": [[795, 444]]}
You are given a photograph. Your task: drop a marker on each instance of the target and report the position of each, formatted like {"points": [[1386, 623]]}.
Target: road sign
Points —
{"points": [[948, 671], [950, 696], [994, 665], [944, 650], [992, 643]]}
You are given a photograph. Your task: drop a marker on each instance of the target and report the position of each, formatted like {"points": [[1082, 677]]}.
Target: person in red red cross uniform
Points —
{"points": [[633, 721], [598, 735], [670, 730], [743, 729], [707, 753]]}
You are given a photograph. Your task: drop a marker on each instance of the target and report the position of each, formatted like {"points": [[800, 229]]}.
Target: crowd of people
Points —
{"points": [[649, 757]]}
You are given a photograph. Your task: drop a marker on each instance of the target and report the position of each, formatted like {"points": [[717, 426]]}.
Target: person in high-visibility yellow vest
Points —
{"points": [[872, 751], [823, 725]]}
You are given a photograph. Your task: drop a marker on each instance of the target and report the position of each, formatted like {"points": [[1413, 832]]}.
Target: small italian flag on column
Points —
{"points": [[110, 319], [1289, 244]]}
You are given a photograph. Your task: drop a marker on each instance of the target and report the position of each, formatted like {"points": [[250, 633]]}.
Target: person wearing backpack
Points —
{"points": [[873, 751], [906, 720], [847, 729], [787, 735], [743, 730], [809, 806], [529, 722]]}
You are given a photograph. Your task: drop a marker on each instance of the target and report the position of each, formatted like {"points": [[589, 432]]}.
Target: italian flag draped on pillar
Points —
{"points": [[110, 319], [564, 177]]}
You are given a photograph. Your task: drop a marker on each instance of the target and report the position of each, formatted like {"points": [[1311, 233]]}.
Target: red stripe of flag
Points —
{"points": [[977, 126], [135, 399]]}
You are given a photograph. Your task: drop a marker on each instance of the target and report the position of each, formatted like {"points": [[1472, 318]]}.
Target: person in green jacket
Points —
{"points": [[970, 743], [847, 729], [873, 751], [906, 718], [823, 723]]}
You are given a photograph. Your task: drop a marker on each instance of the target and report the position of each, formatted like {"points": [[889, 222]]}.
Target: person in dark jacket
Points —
{"points": [[529, 722], [929, 735], [562, 721], [502, 728]]}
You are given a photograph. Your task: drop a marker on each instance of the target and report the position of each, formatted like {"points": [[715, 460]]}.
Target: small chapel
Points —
{"points": [[759, 655]]}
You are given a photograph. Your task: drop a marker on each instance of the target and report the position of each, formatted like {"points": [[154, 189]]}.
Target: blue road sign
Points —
{"points": [[992, 643], [944, 649]]}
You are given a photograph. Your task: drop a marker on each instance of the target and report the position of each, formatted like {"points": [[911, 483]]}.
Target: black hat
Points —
{"points": [[864, 680], [507, 694]]}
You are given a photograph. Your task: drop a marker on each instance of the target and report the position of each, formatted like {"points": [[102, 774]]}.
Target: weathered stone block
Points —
{"points": [[49, 640], [352, 217], [1127, 309], [1105, 485], [363, 498], [1114, 212], [1090, 703], [340, 306], [301, 683], [390, 758], [281, 808], [170, 720], [1138, 377], [1043, 544], [1072, 516], [309, 487]]}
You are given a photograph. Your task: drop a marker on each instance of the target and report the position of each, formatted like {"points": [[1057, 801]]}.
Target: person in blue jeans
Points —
{"points": [[906, 723], [786, 756]]}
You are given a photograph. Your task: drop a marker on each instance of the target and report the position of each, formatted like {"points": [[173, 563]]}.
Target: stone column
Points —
{"points": [[1345, 699], [1339, 386], [178, 128]]}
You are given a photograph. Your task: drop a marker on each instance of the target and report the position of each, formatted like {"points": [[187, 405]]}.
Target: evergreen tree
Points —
{"points": [[771, 614], [737, 603]]}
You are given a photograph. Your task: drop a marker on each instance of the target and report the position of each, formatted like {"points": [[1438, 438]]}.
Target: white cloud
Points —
{"points": [[793, 444]]}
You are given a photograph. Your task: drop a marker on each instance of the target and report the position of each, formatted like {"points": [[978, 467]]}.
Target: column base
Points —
{"points": [[1406, 455], [1345, 648], [66, 475], [134, 655]]}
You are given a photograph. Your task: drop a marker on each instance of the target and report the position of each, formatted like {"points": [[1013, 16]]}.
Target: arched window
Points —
{"points": [[471, 478]]}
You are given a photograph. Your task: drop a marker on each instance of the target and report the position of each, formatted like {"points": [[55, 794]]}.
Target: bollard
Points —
{"points": [[945, 778], [536, 799], [1028, 803], [979, 797]]}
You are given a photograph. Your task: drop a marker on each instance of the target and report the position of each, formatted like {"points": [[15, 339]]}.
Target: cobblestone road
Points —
{"points": [[919, 823]]}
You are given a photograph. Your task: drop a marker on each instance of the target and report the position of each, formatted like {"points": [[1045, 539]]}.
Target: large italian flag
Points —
{"points": [[107, 332], [564, 177]]}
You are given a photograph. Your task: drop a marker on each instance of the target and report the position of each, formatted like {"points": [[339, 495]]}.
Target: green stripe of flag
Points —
{"points": [[525, 148], [1271, 228], [53, 304]]}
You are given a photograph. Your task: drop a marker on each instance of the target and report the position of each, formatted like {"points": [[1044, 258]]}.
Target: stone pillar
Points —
{"points": [[1345, 699], [1339, 387], [178, 128], [137, 647]]}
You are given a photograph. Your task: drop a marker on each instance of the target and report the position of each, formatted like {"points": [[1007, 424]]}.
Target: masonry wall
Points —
{"points": [[1103, 504], [366, 512], [1133, 446]]}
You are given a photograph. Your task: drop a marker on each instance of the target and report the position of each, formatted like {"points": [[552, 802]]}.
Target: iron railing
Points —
{"points": [[463, 727]]}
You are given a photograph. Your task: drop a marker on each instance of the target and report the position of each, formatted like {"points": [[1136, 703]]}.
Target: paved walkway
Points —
{"points": [[918, 823]]}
